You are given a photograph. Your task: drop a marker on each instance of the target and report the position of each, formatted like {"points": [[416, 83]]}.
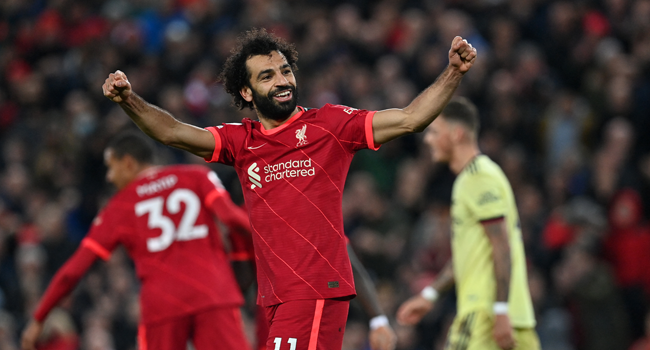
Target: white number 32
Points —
{"points": [[186, 230]]}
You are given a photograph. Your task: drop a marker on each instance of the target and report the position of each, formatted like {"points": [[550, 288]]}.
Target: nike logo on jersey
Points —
{"points": [[256, 147], [253, 176]]}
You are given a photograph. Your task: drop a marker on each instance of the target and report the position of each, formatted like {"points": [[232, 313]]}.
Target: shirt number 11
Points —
{"points": [[291, 341]]}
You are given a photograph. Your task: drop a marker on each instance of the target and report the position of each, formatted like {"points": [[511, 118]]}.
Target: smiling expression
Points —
{"points": [[272, 86]]}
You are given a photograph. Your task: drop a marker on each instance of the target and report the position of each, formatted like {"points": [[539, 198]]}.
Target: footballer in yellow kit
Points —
{"points": [[481, 194], [488, 267]]}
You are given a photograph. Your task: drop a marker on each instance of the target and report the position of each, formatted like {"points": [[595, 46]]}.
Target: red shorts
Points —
{"points": [[307, 324], [216, 328]]}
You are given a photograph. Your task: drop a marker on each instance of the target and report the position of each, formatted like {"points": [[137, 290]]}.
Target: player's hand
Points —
{"points": [[461, 55], [117, 87], [30, 335], [412, 310], [382, 338], [503, 333]]}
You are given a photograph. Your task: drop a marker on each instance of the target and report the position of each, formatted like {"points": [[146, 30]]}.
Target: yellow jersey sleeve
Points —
{"points": [[485, 197]]}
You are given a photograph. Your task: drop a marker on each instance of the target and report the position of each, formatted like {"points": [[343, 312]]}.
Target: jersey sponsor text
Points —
{"points": [[288, 169]]}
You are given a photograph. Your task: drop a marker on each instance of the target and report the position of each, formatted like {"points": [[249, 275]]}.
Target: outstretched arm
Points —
{"points": [[414, 309], [229, 213], [155, 121], [237, 221], [445, 280], [392, 123], [365, 288], [62, 283], [381, 336]]}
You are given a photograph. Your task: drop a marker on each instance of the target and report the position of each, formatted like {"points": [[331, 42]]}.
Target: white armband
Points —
{"points": [[378, 321], [500, 308], [429, 293]]}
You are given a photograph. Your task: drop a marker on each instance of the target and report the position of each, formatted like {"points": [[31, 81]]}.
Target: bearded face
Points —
{"points": [[277, 104]]}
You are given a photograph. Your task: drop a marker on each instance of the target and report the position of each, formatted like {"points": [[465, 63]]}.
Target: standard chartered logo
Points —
{"points": [[279, 171], [254, 176]]}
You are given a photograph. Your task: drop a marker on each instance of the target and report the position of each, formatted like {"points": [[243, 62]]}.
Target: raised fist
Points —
{"points": [[461, 55], [117, 87]]}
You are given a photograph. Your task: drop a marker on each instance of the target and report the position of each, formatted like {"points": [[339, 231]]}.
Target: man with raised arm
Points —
{"points": [[292, 164]]}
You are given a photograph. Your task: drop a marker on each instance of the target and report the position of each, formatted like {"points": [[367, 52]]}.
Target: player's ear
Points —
{"points": [[456, 132], [246, 93], [131, 163]]}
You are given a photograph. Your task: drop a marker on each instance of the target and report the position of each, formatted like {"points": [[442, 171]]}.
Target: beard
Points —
{"points": [[269, 108]]}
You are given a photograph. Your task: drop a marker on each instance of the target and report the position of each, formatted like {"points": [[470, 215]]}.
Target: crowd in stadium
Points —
{"points": [[563, 90]]}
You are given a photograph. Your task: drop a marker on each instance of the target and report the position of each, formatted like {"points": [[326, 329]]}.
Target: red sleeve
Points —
{"points": [[241, 246], [217, 145], [229, 213], [218, 201], [352, 126], [64, 280], [104, 234], [224, 149], [96, 248]]}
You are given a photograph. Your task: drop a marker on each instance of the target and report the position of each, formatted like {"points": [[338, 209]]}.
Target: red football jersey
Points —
{"points": [[163, 221], [293, 178]]}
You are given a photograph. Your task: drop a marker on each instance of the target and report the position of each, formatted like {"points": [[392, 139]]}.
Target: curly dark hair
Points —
{"points": [[235, 76]]}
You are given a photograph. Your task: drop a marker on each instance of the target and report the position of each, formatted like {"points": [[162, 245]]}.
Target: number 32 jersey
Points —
{"points": [[163, 221]]}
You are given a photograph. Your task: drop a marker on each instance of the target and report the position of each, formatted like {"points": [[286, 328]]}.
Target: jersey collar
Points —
{"points": [[470, 162], [147, 172], [283, 126]]}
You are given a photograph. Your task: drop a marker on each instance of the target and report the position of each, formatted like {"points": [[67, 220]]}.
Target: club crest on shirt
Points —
{"points": [[301, 136]]}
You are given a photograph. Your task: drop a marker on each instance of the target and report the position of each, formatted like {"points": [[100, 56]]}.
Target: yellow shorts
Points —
{"points": [[474, 332]]}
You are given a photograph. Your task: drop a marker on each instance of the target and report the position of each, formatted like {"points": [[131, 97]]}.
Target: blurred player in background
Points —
{"points": [[164, 217], [488, 263], [292, 164]]}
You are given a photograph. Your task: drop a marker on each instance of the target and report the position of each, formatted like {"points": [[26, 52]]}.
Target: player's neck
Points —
{"points": [[272, 123], [463, 155], [144, 170]]}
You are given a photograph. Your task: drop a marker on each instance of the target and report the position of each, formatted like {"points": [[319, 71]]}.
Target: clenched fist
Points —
{"points": [[461, 55], [117, 87]]}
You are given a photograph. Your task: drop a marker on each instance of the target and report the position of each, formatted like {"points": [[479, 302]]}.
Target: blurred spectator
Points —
{"points": [[7, 331], [627, 245], [553, 321], [611, 162], [589, 289], [643, 343]]}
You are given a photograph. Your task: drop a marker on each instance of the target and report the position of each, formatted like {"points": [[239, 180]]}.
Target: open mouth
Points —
{"points": [[283, 96]]}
